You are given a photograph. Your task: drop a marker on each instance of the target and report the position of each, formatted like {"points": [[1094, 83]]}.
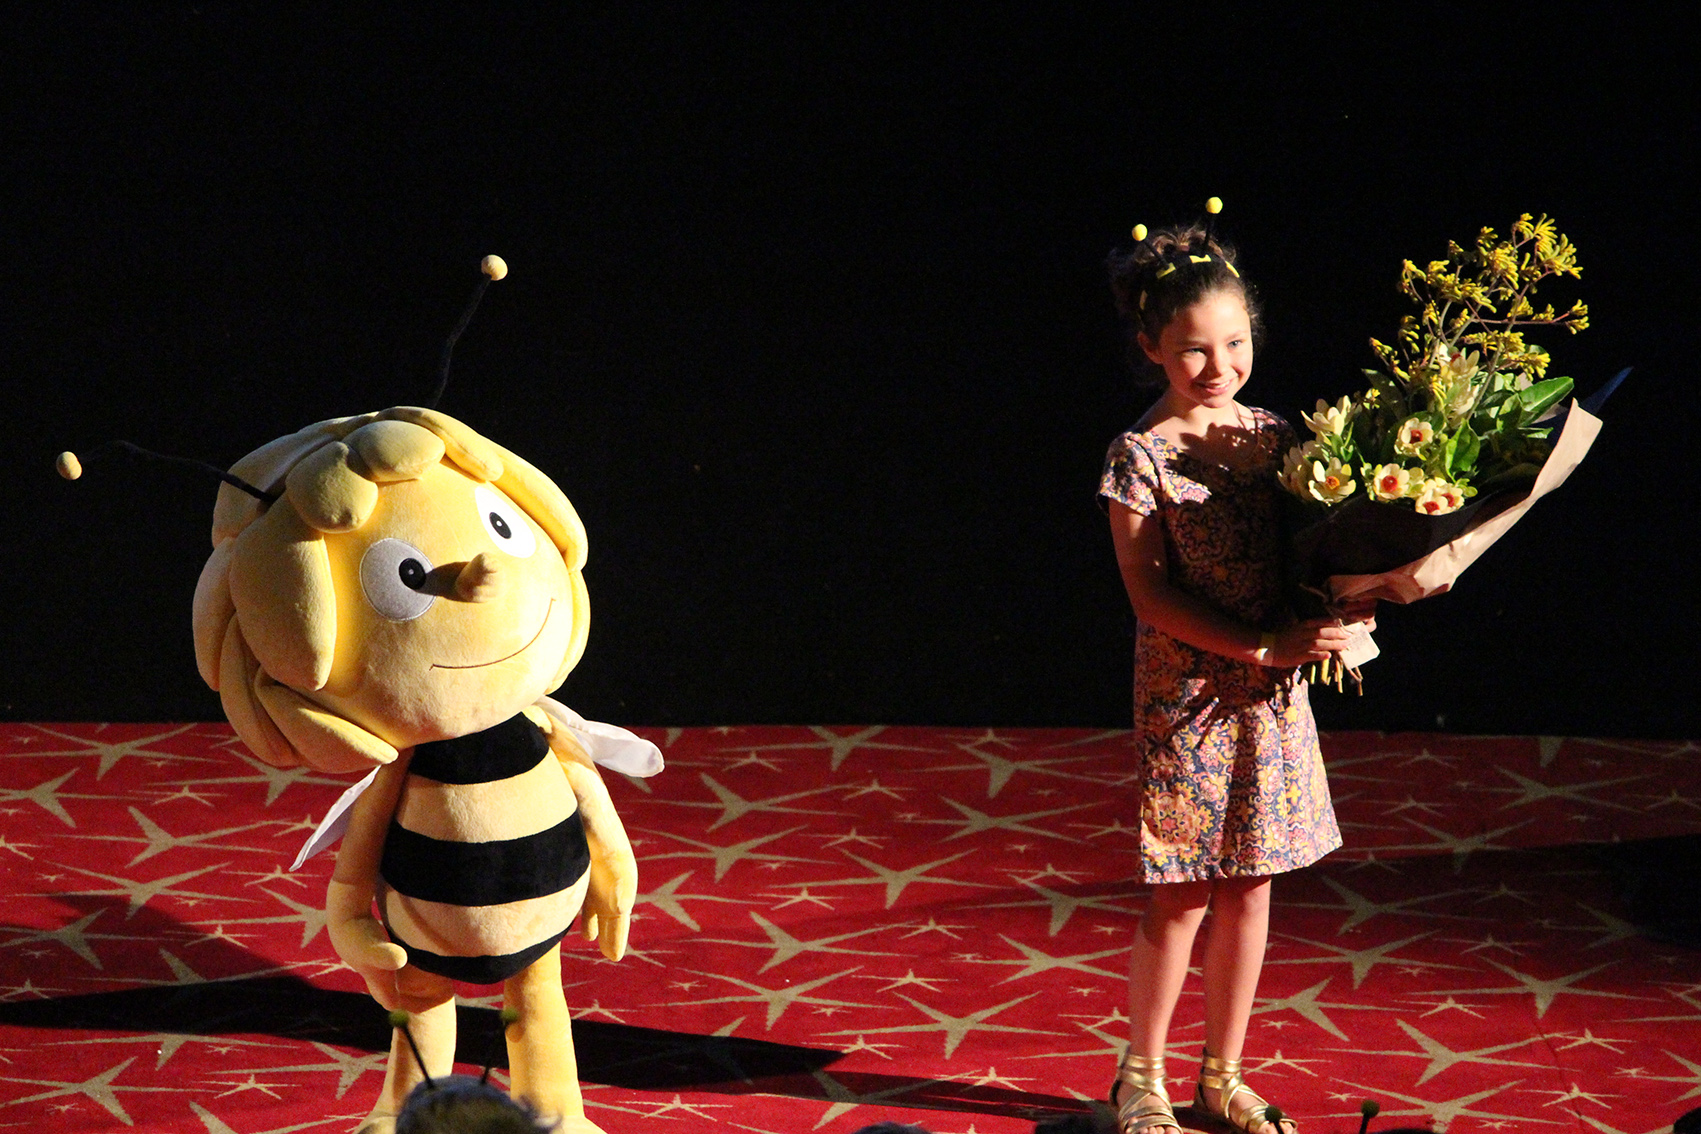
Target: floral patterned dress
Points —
{"points": [[1232, 781]]}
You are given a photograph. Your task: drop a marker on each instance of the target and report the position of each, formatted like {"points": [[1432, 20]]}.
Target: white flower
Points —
{"points": [[1332, 483], [1457, 366], [1439, 498], [1413, 435], [1294, 472], [1330, 420], [1461, 400], [1390, 482]]}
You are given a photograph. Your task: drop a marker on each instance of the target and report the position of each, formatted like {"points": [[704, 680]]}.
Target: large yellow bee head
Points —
{"points": [[412, 581]]}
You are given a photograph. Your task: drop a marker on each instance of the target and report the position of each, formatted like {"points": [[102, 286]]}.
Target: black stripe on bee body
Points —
{"points": [[499, 752], [485, 874], [477, 970]]}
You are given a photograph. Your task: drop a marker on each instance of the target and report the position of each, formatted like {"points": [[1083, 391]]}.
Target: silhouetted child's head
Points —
{"points": [[461, 1104]]}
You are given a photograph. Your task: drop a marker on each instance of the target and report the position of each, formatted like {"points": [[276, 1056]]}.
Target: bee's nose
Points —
{"points": [[479, 579]]}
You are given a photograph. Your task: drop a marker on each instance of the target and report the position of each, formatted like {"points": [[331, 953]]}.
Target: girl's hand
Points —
{"points": [[1358, 610], [1312, 640]]}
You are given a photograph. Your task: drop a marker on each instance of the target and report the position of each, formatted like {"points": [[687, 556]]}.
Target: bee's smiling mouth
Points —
{"points": [[515, 654]]}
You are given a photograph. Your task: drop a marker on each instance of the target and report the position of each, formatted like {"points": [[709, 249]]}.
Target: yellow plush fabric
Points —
{"points": [[392, 450], [237, 671], [466, 449], [329, 492], [320, 739], [289, 574], [213, 611], [417, 582], [285, 601]]}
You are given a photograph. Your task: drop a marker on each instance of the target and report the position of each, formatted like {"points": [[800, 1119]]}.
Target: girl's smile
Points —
{"points": [[1205, 352]]}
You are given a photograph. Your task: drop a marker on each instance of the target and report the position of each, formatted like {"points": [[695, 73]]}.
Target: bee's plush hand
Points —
{"points": [[360, 941], [608, 902]]}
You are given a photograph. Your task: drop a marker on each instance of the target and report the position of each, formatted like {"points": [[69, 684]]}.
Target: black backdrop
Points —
{"points": [[807, 315]]}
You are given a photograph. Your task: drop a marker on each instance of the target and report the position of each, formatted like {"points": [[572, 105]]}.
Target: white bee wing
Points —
{"points": [[609, 745], [335, 822]]}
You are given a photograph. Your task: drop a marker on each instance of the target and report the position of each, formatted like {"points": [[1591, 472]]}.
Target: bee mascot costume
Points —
{"points": [[395, 593]]}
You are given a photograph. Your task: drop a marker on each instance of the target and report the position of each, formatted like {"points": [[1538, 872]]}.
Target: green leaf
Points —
{"points": [[1541, 396], [1485, 419], [1492, 399], [1461, 453], [1364, 434]]}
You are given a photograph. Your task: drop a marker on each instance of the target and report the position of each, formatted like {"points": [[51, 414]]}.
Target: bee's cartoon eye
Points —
{"points": [[504, 522], [392, 575], [412, 573]]}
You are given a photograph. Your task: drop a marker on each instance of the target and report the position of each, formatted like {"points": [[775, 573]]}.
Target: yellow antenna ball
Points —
{"points": [[494, 267], [1214, 205], [398, 1018], [1139, 232], [68, 465], [510, 1015]]}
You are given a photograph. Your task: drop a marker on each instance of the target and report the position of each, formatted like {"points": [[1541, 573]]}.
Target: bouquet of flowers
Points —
{"points": [[1403, 485]]}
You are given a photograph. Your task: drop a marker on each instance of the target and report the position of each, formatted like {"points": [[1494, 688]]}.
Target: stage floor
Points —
{"points": [[844, 925]]}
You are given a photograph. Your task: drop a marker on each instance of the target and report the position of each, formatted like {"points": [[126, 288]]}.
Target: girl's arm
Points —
{"points": [[1139, 542]]}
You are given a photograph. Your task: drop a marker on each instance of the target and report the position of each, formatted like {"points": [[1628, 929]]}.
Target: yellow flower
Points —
{"points": [[1329, 420], [1439, 498], [1332, 484], [1390, 482], [1414, 434]]}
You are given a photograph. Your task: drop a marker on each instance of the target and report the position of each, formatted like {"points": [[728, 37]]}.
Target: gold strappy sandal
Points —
{"points": [[1146, 1106], [1224, 1077]]}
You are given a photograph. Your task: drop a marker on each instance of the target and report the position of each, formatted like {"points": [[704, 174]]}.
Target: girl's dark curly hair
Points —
{"points": [[1134, 274]]}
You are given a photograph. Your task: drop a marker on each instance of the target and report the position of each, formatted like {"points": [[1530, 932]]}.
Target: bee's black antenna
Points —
{"points": [[70, 467], [493, 268], [399, 1020]]}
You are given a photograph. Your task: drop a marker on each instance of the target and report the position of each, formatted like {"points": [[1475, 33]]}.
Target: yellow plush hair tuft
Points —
{"points": [[266, 622]]}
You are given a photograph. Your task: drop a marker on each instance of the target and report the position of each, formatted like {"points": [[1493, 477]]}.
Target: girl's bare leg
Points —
{"points": [[1234, 956], [1163, 945]]}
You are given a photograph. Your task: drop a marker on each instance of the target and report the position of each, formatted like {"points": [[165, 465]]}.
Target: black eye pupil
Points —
{"points": [[500, 526], [412, 573]]}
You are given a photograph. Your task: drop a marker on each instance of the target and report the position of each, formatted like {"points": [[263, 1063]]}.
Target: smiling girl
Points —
{"points": [[1231, 785]]}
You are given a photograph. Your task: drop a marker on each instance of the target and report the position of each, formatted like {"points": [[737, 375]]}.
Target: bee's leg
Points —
{"points": [[541, 1066], [431, 1021]]}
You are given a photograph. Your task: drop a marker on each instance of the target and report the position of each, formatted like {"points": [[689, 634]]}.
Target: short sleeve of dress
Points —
{"points": [[1130, 475], [1286, 438]]}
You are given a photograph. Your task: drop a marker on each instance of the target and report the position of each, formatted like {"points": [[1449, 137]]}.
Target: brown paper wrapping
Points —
{"points": [[1434, 573]]}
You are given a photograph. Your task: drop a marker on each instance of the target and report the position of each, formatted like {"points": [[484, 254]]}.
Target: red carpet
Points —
{"points": [[846, 925]]}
